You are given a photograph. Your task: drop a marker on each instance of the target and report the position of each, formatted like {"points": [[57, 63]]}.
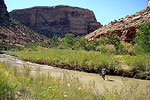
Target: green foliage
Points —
{"points": [[41, 86], [92, 45], [8, 85], [5, 47], [34, 45], [68, 41], [54, 41], [142, 39], [75, 43], [141, 62], [71, 59], [128, 48], [80, 43], [114, 40]]}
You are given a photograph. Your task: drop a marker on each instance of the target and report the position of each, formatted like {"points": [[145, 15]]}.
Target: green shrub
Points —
{"points": [[143, 37], [110, 49], [34, 45], [55, 41], [92, 45], [5, 47], [68, 41], [140, 62], [115, 40], [128, 48]]}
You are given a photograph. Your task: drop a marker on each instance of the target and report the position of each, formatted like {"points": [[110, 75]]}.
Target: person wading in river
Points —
{"points": [[103, 73]]}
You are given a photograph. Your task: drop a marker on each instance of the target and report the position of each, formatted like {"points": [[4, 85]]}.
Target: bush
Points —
{"points": [[68, 41], [5, 47], [92, 45], [34, 45], [143, 37], [114, 40], [54, 41], [110, 49], [128, 48]]}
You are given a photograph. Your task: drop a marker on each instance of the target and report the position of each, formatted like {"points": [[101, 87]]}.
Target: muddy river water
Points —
{"points": [[85, 78]]}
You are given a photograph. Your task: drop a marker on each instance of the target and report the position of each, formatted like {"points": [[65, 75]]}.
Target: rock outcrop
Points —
{"points": [[148, 4], [4, 15], [57, 20], [125, 28], [15, 34]]}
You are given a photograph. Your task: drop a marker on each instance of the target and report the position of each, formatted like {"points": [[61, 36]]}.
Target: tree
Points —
{"points": [[142, 39], [80, 43], [54, 41], [68, 41], [92, 45], [114, 40]]}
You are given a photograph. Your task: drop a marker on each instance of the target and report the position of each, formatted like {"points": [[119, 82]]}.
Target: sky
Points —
{"points": [[104, 10]]}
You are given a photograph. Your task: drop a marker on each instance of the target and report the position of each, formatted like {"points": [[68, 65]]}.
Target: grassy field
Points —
{"points": [[24, 85], [89, 61]]}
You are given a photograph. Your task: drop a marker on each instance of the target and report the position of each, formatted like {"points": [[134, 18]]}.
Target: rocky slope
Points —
{"points": [[125, 28], [4, 15], [57, 20], [14, 33]]}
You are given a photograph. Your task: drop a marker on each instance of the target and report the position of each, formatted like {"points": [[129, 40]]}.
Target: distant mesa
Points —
{"points": [[58, 20]]}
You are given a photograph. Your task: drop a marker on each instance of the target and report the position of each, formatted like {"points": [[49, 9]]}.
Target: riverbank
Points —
{"points": [[92, 62], [104, 89]]}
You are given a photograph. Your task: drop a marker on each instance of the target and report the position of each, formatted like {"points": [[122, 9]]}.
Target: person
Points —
{"points": [[103, 73]]}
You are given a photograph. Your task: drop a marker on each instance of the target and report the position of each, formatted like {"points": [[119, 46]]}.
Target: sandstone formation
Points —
{"points": [[148, 4], [4, 15], [14, 33], [125, 28], [57, 20], [17, 34]]}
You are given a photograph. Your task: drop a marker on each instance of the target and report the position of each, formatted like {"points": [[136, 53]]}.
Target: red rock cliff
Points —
{"points": [[14, 33], [58, 20], [125, 28]]}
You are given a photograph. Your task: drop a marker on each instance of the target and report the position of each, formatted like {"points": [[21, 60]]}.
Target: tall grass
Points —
{"points": [[140, 65], [25, 85], [141, 62], [80, 60], [135, 66]]}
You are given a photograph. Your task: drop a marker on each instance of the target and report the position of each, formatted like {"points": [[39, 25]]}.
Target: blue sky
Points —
{"points": [[105, 10]]}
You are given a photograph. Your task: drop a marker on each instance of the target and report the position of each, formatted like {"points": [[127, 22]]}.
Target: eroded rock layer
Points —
{"points": [[125, 28], [4, 15], [57, 20], [15, 34]]}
